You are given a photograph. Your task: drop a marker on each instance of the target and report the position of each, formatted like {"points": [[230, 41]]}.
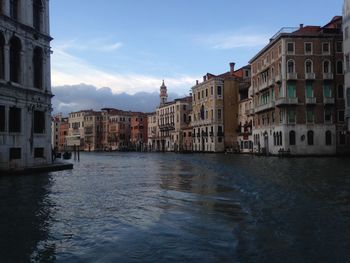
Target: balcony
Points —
{"points": [[286, 101], [328, 100], [278, 78], [328, 76], [292, 76], [311, 100], [310, 76], [249, 112], [265, 107], [263, 86], [271, 83]]}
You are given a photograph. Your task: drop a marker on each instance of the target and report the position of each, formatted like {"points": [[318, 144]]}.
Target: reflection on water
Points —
{"points": [[129, 207]]}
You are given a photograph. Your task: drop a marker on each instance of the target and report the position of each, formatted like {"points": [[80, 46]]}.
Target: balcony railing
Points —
{"points": [[311, 100], [310, 76], [249, 112], [286, 101], [265, 107], [328, 100], [271, 83], [263, 86], [292, 76], [328, 76]]}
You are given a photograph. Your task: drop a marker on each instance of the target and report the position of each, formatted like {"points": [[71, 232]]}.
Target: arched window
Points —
{"points": [[2, 57], [274, 139], [340, 91], [37, 14], [292, 138], [328, 138], [340, 67], [308, 66], [281, 139], [310, 138], [14, 9], [290, 66], [326, 66], [38, 68], [15, 59]]}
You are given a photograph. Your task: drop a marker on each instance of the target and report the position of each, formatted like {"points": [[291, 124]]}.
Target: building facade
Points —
{"points": [[298, 82], [346, 33], [153, 132], [64, 129], [55, 131], [245, 119], [93, 131], [139, 131], [76, 132], [25, 98]]}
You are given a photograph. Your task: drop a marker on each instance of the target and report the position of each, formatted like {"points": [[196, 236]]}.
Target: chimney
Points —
{"points": [[301, 26], [232, 67], [197, 82], [204, 78]]}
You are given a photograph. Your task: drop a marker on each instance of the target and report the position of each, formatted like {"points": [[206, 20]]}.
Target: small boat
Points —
{"points": [[67, 155]]}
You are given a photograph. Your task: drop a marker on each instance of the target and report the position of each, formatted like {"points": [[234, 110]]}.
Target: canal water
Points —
{"points": [[131, 207]]}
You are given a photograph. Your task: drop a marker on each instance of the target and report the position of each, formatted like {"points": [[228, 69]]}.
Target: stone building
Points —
{"points": [[93, 131], [63, 130], [25, 98], [76, 132], [55, 131], [215, 110], [153, 132], [298, 91], [346, 31]]}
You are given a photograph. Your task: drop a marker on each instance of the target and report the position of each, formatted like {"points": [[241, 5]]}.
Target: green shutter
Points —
{"points": [[309, 91], [327, 91], [291, 91]]}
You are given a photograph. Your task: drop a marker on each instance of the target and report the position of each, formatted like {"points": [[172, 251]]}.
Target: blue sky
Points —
{"points": [[131, 45]]}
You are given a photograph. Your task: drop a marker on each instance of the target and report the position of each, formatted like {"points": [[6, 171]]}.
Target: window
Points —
{"points": [[340, 92], [37, 14], [38, 68], [327, 91], [347, 62], [15, 153], [308, 48], [310, 116], [348, 96], [291, 116], [328, 138], [2, 118], [326, 66], [212, 90], [219, 91], [346, 33], [325, 48], [339, 47], [327, 115], [310, 138], [290, 66], [308, 66], [206, 93], [291, 90], [15, 119], [309, 90], [292, 138], [340, 70], [39, 122], [341, 116], [219, 114], [14, 8], [290, 48], [15, 59], [38, 152], [2, 57]]}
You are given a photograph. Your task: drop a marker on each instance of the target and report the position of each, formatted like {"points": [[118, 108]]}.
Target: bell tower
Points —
{"points": [[163, 94]]}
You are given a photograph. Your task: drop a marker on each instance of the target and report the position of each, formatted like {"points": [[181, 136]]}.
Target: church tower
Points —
{"points": [[163, 94]]}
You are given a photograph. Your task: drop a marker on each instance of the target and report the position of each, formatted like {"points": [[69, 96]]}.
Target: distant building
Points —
{"points": [[153, 131], [346, 30], [25, 98], [139, 131], [298, 87], [55, 131], [245, 119], [63, 133], [93, 131]]}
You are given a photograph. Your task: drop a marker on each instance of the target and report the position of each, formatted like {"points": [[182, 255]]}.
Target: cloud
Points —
{"points": [[97, 44], [233, 40], [68, 69], [71, 98]]}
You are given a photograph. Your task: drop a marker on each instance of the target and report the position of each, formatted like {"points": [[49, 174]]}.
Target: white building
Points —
{"points": [[346, 27], [25, 98]]}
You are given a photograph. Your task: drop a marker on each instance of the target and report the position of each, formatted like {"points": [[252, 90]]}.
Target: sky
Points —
{"points": [[130, 46]]}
